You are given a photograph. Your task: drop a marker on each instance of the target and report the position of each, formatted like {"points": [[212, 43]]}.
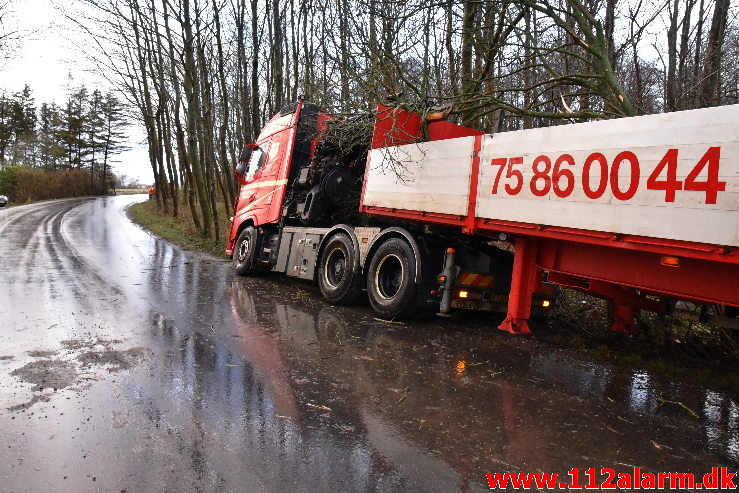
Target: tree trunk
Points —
{"points": [[682, 77], [277, 57], [695, 84], [670, 90], [256, 121], [711, 87], [230, 194], [449, 47], [191, 84], [468, 29], [188, 180]]}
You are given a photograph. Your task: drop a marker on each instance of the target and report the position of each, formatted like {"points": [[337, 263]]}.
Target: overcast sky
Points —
{"points": [[45, 58]]}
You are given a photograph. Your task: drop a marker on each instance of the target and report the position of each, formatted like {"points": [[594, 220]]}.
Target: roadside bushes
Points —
{"points": [[23, 184], [586, 320]]}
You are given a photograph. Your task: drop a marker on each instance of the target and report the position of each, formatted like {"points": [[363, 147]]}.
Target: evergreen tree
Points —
{"points": [[50, 150], [72, 135], [23, 123], [86, 133], [113, 137], [6, 128], [94, 126]]}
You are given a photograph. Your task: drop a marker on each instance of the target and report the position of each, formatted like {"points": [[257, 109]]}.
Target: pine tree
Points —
{"points": [[6, 129], [50, 149], [72, 135], [114, 124], [94, 130], [23, 123]]}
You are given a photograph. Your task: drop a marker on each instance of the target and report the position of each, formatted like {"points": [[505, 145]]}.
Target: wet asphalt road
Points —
{"points": [[128, 364]]}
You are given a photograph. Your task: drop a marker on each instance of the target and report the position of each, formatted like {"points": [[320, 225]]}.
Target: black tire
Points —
{"points": [[338, 277], [391, 286], [243, 256]]}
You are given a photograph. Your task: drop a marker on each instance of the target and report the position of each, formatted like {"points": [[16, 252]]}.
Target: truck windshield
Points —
{"points": [[255, 163]]}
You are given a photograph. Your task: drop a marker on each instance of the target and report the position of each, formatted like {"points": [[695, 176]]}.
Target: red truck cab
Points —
{"points": [[286, 142]]}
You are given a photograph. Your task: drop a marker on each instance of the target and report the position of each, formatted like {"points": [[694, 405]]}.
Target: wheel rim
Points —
{"points": [[389, 276], [335, 268], [243, 249]]}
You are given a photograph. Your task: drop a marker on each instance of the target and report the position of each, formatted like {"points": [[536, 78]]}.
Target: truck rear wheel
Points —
{"points": [[338, 276], [391, 286], [246, 246]]}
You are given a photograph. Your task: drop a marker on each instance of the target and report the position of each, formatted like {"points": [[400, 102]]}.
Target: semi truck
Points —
{"points": [[422, 215]]}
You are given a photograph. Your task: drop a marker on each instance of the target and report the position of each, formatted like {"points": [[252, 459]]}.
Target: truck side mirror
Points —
{"points": [[245, 155], [243, 161], [3, 200], [240, 172]]}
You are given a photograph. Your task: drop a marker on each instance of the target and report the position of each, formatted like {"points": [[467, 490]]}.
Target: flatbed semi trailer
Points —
{"points": [[640, 211]]}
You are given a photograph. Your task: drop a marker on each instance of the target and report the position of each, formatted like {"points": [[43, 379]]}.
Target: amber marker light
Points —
{"points": [[546, 303], [464, 294], [670, 261]]}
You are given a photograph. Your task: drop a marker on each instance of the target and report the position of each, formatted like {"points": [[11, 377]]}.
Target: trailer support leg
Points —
{"points": [[623, 318], [523, 283]]}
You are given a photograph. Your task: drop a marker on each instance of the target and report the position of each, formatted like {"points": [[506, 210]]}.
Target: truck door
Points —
{"points": [[262, 177], [267, 172]]}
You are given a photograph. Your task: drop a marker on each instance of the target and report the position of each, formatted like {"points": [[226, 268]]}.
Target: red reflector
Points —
{"points": [[670, 261], [451, 250], [365, 240]]}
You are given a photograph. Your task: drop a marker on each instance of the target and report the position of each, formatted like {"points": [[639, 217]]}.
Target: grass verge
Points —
{"points": [[130, 191], [181, 230]]}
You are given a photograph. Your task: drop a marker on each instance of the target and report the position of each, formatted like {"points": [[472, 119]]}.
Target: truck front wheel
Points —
{"points": [[243, 256], [338, 276], [391, 288]]}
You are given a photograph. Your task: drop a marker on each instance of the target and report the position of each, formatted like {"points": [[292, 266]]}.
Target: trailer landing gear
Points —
{"points": [[623, 319], [523, 283]]}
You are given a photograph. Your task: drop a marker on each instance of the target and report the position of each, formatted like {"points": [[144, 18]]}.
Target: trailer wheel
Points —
{"points": [[391, 288], [243, 257], [338, 277]]}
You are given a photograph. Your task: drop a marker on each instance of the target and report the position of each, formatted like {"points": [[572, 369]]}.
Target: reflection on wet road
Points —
{"points": [[130, 364]]}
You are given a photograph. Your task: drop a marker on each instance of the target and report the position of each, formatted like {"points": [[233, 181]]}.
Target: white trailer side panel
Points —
{"points": [[429, 176], [671, 176], [623, 201]]}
